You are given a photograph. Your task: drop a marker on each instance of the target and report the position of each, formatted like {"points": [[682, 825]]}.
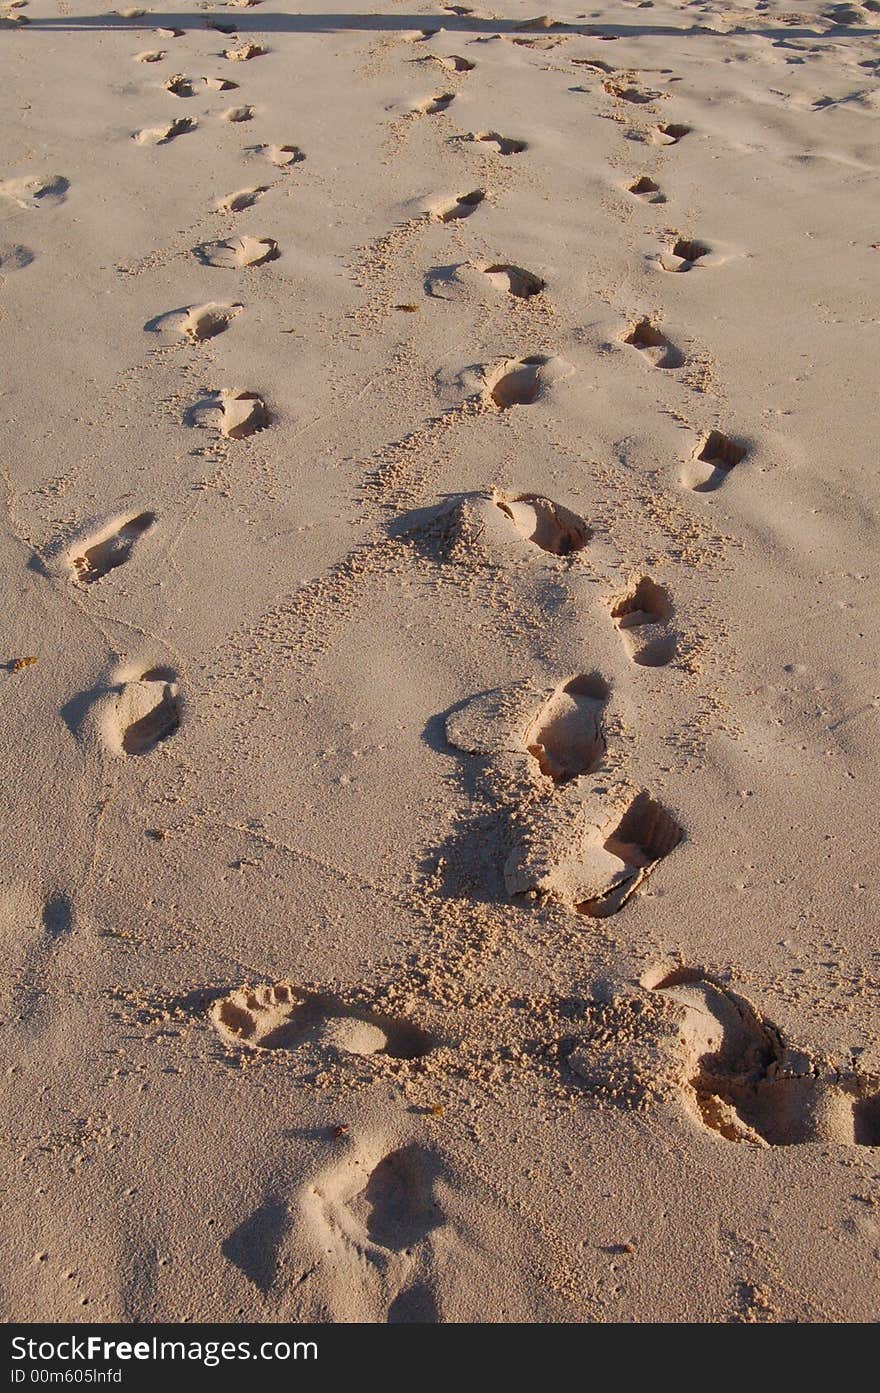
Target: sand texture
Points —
{"points": [[439, 671]]}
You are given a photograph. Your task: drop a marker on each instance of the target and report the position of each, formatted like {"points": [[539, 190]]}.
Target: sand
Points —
{"points": [[440, 690]]}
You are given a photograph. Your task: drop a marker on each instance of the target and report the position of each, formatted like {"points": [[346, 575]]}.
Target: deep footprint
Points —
{"points": [[461, 207], [645, 835], [148, 711], [747, 1087], [654, 345], [720, 454], [514, 279], [566, 737], [548, 525], [646, 605]]}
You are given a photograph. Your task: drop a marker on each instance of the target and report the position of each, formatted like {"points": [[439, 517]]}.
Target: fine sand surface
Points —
{"points": [[440, 662]]}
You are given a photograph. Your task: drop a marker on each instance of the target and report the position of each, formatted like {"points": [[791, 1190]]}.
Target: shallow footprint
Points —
{"points": [[109, 548], [523, 381], [236, 114], [504, 144], [545, 523], [237, 252], [460, 207], [283, 1017], [566, 737], [35, 191], [243, 198]]}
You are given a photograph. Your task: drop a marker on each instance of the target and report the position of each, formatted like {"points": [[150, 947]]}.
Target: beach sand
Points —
{"points": [[440, 678]]}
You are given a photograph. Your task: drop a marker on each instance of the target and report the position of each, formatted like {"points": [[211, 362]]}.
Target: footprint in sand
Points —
{"points": [[202, 322], [627, 93], [454, 63], [625, 853], [236, 114], [645, 188], [504, 145], [714, 458], [254, 1247], [237, 252], [179, 85], [34, 191], [514, 279], [161, 135], [433, 106], [101, 552], [460, 207], [374, 1216], [741, 1081], [653, 345], [566, 738], [244, 53], [669, 134], [282, 156], [545, 523], [646, 606], [14, 257], [243, 198], [220, 84], [283, 1017], [684, 255], [144, 713], [523, 381], [150, 55], [170, 33], [234, 413]]}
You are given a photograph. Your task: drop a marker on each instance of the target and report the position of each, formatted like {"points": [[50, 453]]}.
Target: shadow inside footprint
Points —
{"points": [[721, 453], [566, 737], [398, 1206], [105, 555], [461, 207], [514, 279], [414, 1306], [282, 1017], [254, 1246], [548, 525], [645, 835], [654, 345], [149, 711]]}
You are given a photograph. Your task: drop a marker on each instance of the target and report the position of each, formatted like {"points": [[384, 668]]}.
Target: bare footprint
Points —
{"points": [[233, 413], [684, 254], [433, 106], [504, 145], [654, 345], [150, 55], [523, 381], [237, 252], [743, 1083], [545, 523], [631, 850], [147, 711], [109, 548], [460, 207], [35, 191], [179, 85], [243, 198], [566, 738], [14, 257], [646, 188], [236, 114], [714, 458], [220, 84], [646, 606], [161, 135], [283, 1017], [244, 52], [207, 321], [669, 134], [514, 279]]}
